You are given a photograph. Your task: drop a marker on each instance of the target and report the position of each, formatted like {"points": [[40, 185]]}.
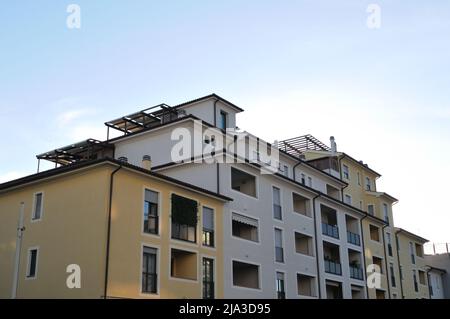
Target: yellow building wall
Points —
{"points": [[73, 230], [408, 267], [361, 199], [127, 240]]}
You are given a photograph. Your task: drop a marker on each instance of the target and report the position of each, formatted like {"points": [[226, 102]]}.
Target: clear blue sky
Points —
{"points": [[296, 67]]}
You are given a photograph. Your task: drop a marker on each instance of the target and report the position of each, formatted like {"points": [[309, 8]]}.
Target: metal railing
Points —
{"points": [[330, 230], [353, 238], [356, 272], [333, 267]]}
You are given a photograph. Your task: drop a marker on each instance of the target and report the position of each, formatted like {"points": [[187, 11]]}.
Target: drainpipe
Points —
{"points": [[20, 230], [108, 238], [293, 169], [364, 253], [217, 164], [317, 246], [385, 261], [398, 262]]}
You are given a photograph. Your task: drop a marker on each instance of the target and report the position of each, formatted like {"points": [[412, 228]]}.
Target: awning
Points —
{"points": [[245, 220]]}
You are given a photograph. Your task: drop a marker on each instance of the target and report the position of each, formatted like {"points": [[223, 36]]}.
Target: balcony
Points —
{"points": [[329, 221], [330, 230], [333, 267], [353, 238], [356, 272]]}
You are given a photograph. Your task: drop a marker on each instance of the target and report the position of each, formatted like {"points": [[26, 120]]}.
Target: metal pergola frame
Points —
{"points": [[298, 145], [147, 118], [72, 153]]}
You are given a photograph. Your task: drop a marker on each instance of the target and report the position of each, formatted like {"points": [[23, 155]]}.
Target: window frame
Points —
{"points": [[41, 212], [36, 266], [213, 246], [159, 212], [157, 268]]}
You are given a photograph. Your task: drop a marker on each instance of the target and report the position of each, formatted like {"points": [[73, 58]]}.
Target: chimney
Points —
{"points": [[147, 162], [333, 145]]}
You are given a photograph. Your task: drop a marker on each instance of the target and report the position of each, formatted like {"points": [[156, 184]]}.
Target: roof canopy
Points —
{"points": [[84, 150], [147, 118]]}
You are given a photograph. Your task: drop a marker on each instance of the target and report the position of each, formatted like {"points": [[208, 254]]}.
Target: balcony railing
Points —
{"points": [[149, 281], [277, 211], [208, 289], [353, 238], [279, 254], [356, 272], [333, 267], [330, 230]]}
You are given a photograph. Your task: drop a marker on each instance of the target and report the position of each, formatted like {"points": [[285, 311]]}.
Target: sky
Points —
{"points": [[296, 67]]}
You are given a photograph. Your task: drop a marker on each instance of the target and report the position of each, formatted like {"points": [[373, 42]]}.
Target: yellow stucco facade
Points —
{"points": [[73, 229]]}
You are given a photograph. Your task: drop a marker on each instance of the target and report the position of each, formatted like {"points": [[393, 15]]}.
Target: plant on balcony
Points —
{"points": [[184, 210]]}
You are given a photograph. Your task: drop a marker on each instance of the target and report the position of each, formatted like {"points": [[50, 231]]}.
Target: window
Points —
{"points": [[208, 278], [37, 212], [245, 275], [416, 286], [303, 244], [333, 289], [32, 263], [183, 264], [359, 178], [301, 205], [370, 209], [243, 182], [310, 184], [276, 195], [306, 285], [281, 293], [348, 199], [208, 227], [151, 219], [279, 254], [411, 251], [244, 227], [374, 233], [422, 277], [392, 273], [368, 184], [286, 170], [303, 179], [386, 213], [380, 294], [223, 120], [345, 172], [400, 270], [184, 218], [333, 192], [149, 274], [378, 262], [419, 250], [389, 243]]}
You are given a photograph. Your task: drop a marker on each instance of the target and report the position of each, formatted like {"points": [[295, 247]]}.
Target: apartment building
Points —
{"points": [[381, 241], [437, 258], [308, 229], [412, 263], [128, 232]]}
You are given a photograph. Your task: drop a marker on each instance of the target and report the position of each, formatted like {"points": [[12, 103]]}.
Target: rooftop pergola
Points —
{"points": [[298, 145], [147, 118], [72, 153]]}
